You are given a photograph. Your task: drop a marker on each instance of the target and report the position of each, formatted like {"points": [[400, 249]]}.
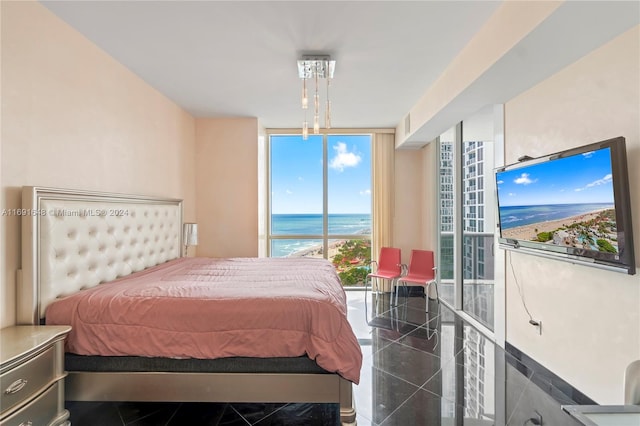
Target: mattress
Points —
{"points": [[110, 364], [204, 308]]}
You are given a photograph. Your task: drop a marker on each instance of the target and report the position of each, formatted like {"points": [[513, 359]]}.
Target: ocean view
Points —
{"points": [[311, 224], [516, 216]]}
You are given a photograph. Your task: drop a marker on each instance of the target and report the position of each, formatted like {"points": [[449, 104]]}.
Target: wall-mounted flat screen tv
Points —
{"points": [[573, 205]]}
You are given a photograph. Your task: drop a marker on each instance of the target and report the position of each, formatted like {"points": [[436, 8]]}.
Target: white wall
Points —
{"points": [[591, 317]]}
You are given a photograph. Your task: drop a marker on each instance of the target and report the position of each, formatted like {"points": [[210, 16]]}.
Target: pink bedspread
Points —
{"points": [[214, 308]]}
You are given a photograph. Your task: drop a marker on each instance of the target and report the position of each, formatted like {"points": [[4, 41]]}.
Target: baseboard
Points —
{"points": [[544, 378]]}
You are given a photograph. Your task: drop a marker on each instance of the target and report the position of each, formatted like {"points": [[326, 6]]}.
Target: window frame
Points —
{"points": [[450, 232], [325, 237]]}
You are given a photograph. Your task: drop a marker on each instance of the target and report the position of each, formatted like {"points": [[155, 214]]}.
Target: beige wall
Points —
{"points": [[73, 117], [407, 220], [227, 196], [511, 22], [414, 220], [591, 317], [3, 293]]}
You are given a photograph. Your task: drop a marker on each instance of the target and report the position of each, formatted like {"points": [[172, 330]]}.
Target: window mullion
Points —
{"points": [[458, 209], [325, 196]]}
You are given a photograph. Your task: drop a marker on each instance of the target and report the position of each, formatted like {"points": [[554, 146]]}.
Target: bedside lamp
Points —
{"points": [[189, 235]]}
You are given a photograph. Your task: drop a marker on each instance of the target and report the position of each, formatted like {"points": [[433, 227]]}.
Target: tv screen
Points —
{"points": [[573, 204]]}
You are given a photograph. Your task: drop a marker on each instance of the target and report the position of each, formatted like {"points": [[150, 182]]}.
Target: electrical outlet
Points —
{"points": [[537, 324]]}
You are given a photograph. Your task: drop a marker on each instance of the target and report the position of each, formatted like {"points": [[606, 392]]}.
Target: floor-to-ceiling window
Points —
{"points": [[478, 222], [320, 200], [467, 216], [447, 215]]}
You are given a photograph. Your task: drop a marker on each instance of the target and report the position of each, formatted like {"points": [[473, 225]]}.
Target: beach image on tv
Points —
{"points": [[566, 202]]}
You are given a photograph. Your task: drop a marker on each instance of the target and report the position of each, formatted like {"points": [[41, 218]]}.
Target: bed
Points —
{"points": [[80, 245]]}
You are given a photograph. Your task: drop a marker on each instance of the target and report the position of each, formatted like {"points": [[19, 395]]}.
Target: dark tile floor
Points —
{"points": [[200, 414], [419, 369]]}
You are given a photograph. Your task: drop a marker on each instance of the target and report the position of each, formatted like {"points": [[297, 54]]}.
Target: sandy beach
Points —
{"points": [[530, 232], [334, 247], [316, 251]]}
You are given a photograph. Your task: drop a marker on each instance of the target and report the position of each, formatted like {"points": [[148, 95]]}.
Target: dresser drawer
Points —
{"points": [[42, 411], [31, 377]]}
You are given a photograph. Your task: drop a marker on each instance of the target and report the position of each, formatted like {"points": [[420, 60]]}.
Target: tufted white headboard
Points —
{"points": [[72, 240]]}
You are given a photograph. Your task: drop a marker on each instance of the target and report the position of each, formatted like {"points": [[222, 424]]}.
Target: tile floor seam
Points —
{"points": [[399, 406], [439, 396], [518, 400], [381, 349], [405, 380], [271, 414], [403, 335], [238, 413], [411, 347], [397, 377], [173, 415], [418, 349], [120, 415], [430, 378]]}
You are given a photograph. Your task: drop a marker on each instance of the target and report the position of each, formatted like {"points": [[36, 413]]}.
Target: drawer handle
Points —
{"points": [[16, 386]]}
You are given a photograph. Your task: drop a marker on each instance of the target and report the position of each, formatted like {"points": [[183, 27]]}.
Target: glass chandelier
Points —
{"points": [[315, 67]]}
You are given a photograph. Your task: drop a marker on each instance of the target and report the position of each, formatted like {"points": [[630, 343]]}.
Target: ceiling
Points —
{"points": [[238, 58]]}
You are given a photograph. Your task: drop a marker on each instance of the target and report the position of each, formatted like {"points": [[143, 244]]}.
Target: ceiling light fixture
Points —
{"points": [[315, 67]]}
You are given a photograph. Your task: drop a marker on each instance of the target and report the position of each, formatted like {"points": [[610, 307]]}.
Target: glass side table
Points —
{"points": [[605, 415]]}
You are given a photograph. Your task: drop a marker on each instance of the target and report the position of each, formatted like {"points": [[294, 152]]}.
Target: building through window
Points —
{"points": [[467, 216]]}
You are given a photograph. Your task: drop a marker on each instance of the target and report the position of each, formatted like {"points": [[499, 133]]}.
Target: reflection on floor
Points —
{"points": [[419, 369], [477, 299], [435, 369]]}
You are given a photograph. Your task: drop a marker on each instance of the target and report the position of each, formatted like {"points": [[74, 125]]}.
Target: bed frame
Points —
{"points": [[72, 240]]}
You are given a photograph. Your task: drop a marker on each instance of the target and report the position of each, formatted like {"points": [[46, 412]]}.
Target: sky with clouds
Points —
{"points": [[296, 174], [579, 179]]}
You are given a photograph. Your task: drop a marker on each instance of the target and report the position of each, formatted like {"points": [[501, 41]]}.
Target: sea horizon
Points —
{"points": [[516, 216], [283, 224]]}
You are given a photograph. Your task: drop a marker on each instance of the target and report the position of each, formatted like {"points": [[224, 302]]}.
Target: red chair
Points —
{"points": [[388, 267], [421, 271]]}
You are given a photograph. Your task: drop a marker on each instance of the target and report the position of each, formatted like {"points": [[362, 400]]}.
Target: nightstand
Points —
{"points": [[32, 375]]}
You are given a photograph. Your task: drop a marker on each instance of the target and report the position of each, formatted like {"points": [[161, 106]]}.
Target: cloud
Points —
{"points": [[500, 182], [365, 192], [524, 179], [343, 157], [604, 181], [587, 154], [300, 178], [512, 194], [289, 192]]}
